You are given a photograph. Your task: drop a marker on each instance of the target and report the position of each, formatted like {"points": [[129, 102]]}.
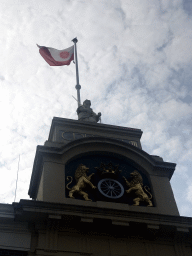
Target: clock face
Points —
{"points": [[110, 188]]}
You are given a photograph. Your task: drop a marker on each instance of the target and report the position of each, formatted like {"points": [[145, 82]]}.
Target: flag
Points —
{"points": [[56, 57]]}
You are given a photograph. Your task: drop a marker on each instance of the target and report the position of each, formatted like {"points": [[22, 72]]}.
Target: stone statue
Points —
{"points": [[85, 113]]}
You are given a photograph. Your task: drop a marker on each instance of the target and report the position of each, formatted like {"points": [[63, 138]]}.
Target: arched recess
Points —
{"points": [[92, 152], [139, 158]]}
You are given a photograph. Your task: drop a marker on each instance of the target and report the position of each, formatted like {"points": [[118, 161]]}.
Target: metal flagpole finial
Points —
{"points": [[74, 40]]}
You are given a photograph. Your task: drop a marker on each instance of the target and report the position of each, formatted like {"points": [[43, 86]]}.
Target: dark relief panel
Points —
{"points": [[107, 177]]}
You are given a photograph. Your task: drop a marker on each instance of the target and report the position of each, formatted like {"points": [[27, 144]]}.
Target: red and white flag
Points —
{"points": [[56, 57]]}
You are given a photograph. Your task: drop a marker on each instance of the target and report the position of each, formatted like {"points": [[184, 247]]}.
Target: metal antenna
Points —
{"points": [[17, 178]]}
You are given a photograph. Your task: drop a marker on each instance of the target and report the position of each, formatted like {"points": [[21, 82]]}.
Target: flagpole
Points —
{"points": [[78, 86]]}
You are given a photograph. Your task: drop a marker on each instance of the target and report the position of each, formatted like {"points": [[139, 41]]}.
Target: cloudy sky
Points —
{"points": [[135, 67]]}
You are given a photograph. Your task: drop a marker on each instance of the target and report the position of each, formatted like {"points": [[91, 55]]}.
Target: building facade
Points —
{"points": [[95, 192]]}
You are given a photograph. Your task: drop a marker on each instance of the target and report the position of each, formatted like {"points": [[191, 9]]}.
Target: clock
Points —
{"points": [[110, 188]]}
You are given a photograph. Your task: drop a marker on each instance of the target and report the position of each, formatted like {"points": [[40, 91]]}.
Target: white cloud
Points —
{"points": [[134, 63]]}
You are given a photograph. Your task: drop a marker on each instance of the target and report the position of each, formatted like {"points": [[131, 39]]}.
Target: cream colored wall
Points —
{"points": [[40, 190], [53, 182], [163, 195]]}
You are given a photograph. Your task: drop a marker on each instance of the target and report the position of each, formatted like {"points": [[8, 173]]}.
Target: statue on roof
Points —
{"points": [[85, 113]]}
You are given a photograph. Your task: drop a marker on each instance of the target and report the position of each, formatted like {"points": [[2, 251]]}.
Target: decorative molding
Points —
{"points": [[69, 135]]}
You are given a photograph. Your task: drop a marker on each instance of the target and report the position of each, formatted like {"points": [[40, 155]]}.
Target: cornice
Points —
{"points": [[27, 209], [57, 121]]}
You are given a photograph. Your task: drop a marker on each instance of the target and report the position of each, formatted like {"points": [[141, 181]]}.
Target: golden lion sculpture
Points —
{"points": [[136, 186], [81, 181]]}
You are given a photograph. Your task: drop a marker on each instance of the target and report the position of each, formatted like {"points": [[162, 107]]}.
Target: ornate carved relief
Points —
{"points": [[108, 169], [136, 186], [111, 183], [81, 181]]}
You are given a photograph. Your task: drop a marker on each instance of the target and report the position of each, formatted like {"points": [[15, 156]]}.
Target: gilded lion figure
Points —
{"points": [[136, 186], [81, 181]]}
